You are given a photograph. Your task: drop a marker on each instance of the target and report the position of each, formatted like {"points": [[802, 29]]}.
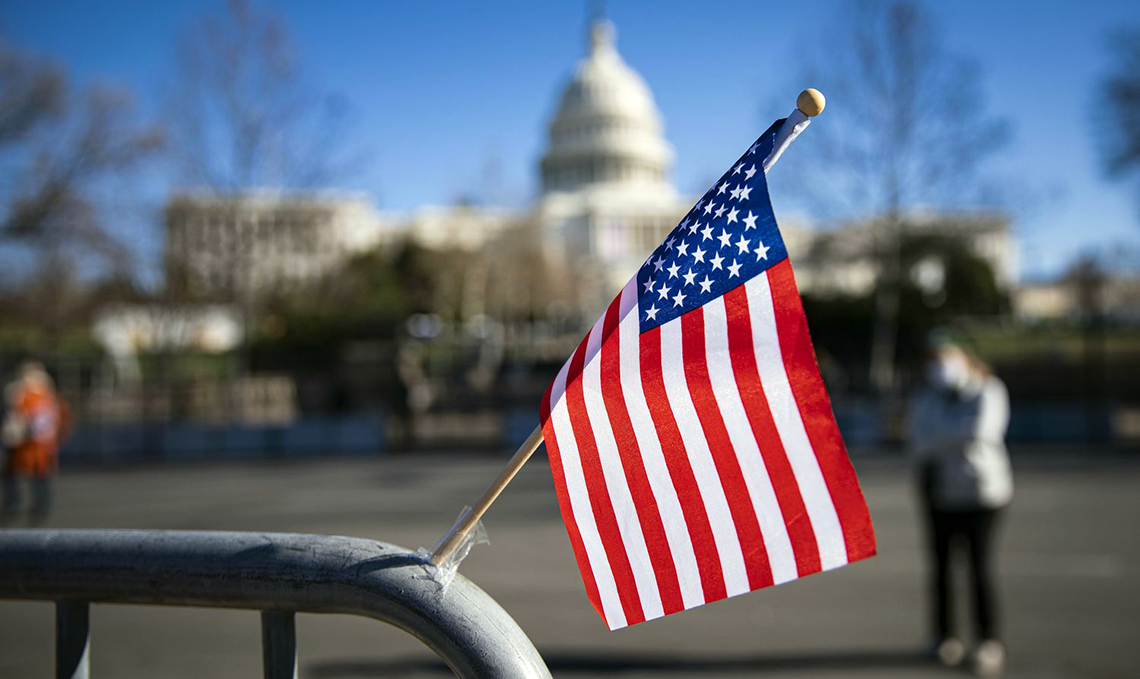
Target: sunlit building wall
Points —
{"points": [[241, 248]]}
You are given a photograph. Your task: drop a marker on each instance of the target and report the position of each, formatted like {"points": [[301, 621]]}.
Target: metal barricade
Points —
{"points": [[277, 573]]}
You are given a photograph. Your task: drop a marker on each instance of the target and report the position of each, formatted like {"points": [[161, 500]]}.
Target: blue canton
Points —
{"points": [[728, 237]]}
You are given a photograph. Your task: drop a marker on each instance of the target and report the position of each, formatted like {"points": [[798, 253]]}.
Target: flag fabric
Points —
{"points": [[692, 443]]}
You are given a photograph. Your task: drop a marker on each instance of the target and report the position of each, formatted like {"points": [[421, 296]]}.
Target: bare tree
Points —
{"points": [[60, 152], [240, 113], [31, 93], [906, 126], [1118, 107], [52, 208]]}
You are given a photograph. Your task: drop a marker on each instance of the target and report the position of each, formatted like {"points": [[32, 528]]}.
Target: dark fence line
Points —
{"points": [[188, 408], [176, 441], [865, 425]]}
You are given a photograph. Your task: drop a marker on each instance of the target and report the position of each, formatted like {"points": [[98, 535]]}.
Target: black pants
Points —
{"points": [[970, 532], [11, 498]]}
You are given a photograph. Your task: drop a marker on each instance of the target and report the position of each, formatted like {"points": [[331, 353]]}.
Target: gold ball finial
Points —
{"points": [[811, 102]]}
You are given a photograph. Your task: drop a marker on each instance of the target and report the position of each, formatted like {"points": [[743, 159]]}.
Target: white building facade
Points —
{"points": [[606, 201], [243, 248], [607, 198]]}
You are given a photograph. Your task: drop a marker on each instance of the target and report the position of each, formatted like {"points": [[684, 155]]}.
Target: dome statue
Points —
{"points": [[607, 132]]}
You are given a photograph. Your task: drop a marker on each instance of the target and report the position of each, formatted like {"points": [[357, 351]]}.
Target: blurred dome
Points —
{"points": [[607, 131]]}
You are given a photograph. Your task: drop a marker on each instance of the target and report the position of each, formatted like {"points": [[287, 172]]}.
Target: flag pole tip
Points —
{"points": [[811, 102]]}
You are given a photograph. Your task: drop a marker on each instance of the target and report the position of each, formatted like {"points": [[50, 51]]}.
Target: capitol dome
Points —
{"points": [[607, 132]]}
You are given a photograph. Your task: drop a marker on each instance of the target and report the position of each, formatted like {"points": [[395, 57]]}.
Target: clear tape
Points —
{"points": [[445, 572]]}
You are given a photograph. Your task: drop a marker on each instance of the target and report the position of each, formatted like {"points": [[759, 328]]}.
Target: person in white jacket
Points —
{"points": [[957, 425]]}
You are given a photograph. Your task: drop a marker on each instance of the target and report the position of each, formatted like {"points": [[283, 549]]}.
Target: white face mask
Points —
{"points": [[949, 371]]}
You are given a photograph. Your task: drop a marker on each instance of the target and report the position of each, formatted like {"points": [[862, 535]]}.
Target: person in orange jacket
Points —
{"points": [[35, 425]]}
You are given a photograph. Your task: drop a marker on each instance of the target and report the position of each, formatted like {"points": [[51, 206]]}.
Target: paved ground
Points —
{"points": [[1069, 572]]}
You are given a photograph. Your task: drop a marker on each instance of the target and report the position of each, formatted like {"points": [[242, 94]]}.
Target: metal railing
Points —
{"points": [[279, 574]]}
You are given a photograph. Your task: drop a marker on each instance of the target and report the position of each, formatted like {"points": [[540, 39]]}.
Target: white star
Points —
{"points": [[663, 291], [683, 248], [749, 172], [716, 262], [733, 269], [720, 189], [725, 238], [750, 221], [736, 170], [678, 299], [689, 277], [761, 251], [706, 284], [732, 215], [735, 193], [744, 192], [752, 149], [698, 254], [706, 232], [673, 270], [709, 208], [658, 263], [742, 244], [651, 313], [648, 286], [692, 227], [720, 211], [669, 243]]}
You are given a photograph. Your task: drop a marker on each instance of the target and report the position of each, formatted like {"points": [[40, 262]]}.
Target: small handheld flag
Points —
{"points": [[693, 447]]}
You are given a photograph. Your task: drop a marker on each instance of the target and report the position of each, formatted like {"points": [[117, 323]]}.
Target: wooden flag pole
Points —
{"points": [[809, 104], [454, 537]]}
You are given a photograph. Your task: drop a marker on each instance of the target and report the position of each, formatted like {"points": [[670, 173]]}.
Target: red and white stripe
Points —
{"points": [[700, 459]]}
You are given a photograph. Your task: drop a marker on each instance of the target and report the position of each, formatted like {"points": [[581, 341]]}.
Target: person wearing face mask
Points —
{"points": [[956, 431]]}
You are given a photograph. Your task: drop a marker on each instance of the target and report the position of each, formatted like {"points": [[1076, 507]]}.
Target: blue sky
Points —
{"points": [[441, 91]]}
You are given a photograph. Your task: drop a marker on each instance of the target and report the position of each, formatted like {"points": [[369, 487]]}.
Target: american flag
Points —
{"points": [[691, 439]]}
